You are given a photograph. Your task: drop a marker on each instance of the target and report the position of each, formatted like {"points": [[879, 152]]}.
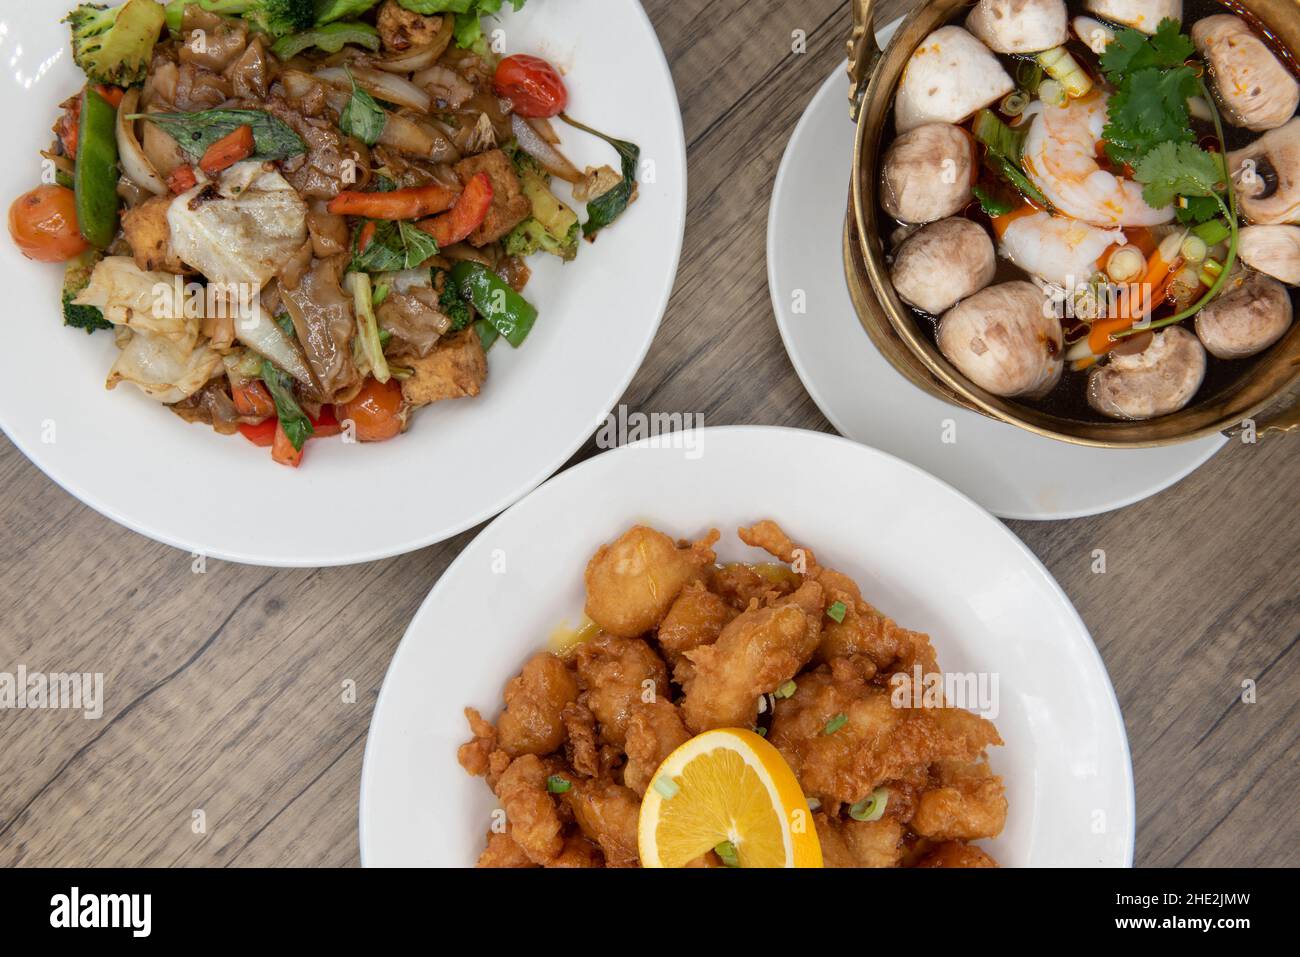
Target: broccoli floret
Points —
{"points": [[523, 162], [276, 17], [115, 45], [76, 276], [531, 236], [455, 308]]}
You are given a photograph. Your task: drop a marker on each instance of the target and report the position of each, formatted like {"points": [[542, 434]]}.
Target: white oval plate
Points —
{"points": [[462, 461], [1009, 471], [922, 552]]}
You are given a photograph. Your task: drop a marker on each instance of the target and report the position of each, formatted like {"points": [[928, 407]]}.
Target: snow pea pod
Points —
{"points": [[95, 176]]}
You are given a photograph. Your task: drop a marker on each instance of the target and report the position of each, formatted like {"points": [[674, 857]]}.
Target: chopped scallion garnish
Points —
{"points": [[835, 723], [836, 611], [872, 807], [557, 784], [666, 787], [726, 852], [785, 689]]}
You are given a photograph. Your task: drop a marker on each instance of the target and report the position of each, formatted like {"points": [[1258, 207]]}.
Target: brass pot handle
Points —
{"points": [[863, 53], [1281, 417]]}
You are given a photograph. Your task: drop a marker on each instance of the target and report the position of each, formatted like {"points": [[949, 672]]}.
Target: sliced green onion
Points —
{"points": [[1126, 264], [761, 731], [1213, 232], [1194, 249], [557, 784], [872, 807], [785, 689], [381, 293], [836, 611], [666, 787], [726, 852], [1053, 92], [1210, 272], [835, 723], [1014, 103], [1064, 69]]}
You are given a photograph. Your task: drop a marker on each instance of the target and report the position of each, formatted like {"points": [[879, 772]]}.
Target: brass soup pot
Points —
{"points": [[1267, 399]]}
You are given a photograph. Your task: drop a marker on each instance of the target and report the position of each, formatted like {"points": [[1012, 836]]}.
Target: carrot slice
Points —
{"points": [[282, 450], [230, 149], [398, 204], [252, 399], [181, 178]]}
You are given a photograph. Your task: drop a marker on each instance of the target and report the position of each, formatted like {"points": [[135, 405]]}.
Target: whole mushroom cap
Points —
{"points": [[1269, 187], [1246, 320], [1253, 87], [1144, 15], [1019, 26], [1273, 250], [942, 263], [927, 173], [948, 77], [1160, 379], [1006, 339]]}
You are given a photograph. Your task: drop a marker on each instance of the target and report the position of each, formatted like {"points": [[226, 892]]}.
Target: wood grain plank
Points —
{"points": [[224, 689]]}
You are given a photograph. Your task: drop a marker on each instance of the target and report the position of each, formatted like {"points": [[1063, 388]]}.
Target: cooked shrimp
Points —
{"points": [[1056, 249], [1060, 156]]}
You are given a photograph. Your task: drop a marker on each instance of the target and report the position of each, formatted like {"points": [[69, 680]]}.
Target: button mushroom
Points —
{"points": [[1267, 174], [949, 76], [1005, 339], [1019, 26], [927, 173], [1145, 383], [942, 263], [1144, 15], [1274, 250], [1246, 320], [1255, 90]]}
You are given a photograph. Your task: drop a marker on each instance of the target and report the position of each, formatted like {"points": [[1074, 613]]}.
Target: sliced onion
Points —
{"points": [[298, 84], [418, 139], [544, 129], [135, 164], [444, 84], [260, 333], [531, 142], [384, 86]]}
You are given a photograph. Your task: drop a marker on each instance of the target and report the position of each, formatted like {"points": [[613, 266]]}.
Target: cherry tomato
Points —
{"points": [[375, 410], [531, 84], [43, 223]]}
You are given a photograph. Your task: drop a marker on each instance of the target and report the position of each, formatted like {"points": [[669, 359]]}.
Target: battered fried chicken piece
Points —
{"points": [[696, 618], [608, 814], [578, 852], [474, 754], [859, 843], [535, 823], [580, 749], [535, 701], [502, 851], [654, 731], [967, 804], [844, 738], [616, 673], [756, 653], [632, 582], [739, 585], [955, 854]]}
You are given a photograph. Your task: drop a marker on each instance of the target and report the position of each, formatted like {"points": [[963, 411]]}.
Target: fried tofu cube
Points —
{"points": [[149, 236], [455, 369], [510, 206]]}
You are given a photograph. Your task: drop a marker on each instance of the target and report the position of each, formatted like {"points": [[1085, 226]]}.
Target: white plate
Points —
{"points": [[1010, 472], [922, 552], [462, 461]]}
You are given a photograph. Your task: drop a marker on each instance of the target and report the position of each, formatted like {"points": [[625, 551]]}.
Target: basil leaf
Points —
{"points": [[362, 117], [273, 139], [297, 427], [393, 247], [607, 207]]}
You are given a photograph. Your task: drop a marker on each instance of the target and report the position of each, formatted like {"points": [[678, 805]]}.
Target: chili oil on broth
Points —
{"points": [[1068, 399]]}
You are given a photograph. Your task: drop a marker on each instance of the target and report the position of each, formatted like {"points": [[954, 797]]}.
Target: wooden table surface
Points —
{"points": [[224, 687]]}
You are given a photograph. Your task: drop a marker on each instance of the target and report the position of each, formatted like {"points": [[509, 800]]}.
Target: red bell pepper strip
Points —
{"points": [[230, 149], [282, 450], [465, 217], [262, 434], [325, 424], [398, 204]]}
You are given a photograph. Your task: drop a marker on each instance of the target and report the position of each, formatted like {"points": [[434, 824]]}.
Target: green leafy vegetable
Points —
{"points": [[276, 17], [1133, 50], [1004, 146], [331, 38], [76, 276], [394, 246], [609, 206], [1172, 169], [327, 11], [1149, 108], [297, 427], [273, 139], [362, 117], [991, 204], [115, 45]]}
